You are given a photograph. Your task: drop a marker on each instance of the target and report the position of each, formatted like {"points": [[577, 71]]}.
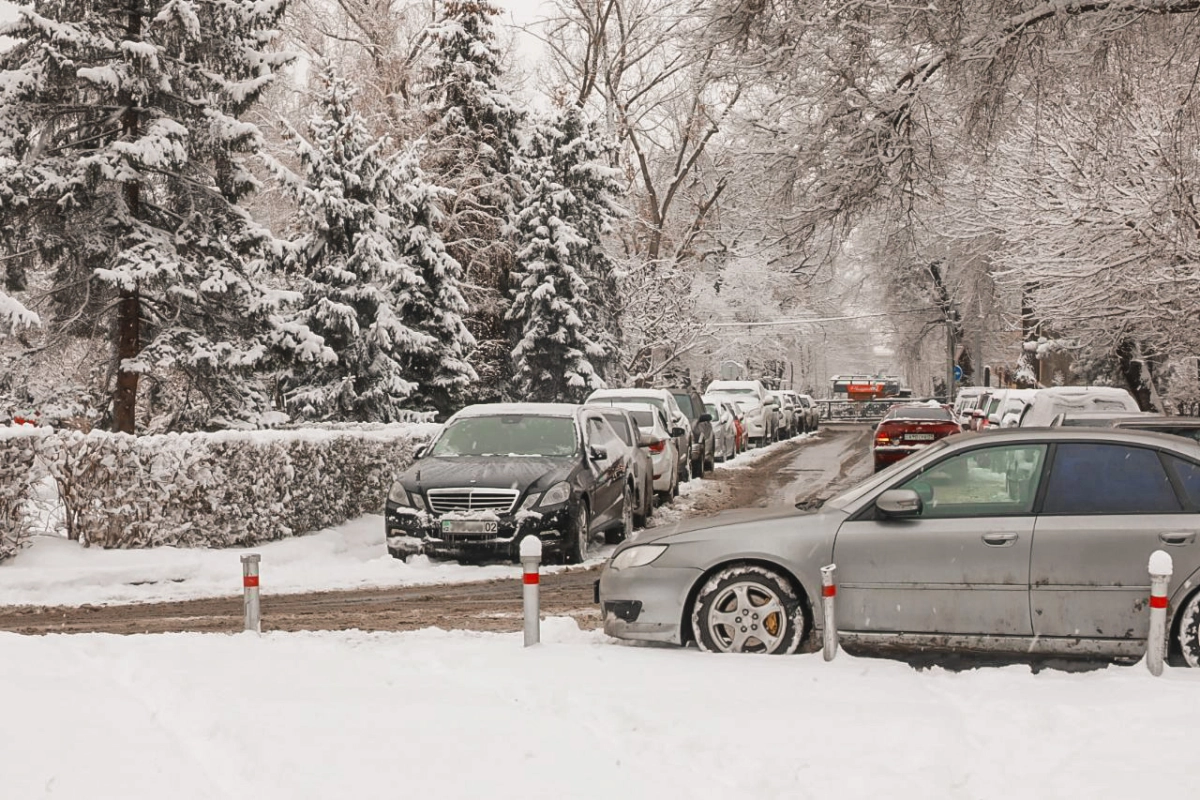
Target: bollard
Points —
{"points": [[250, 592], [828, 592], [531, 562], [1161, 568]]}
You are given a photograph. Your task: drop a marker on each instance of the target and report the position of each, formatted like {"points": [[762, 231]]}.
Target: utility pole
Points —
{"points": [[977, 356], [949, 359]]}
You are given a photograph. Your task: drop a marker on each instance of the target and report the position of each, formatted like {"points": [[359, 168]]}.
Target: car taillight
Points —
{"points": [[658, 448], [882, 438]]}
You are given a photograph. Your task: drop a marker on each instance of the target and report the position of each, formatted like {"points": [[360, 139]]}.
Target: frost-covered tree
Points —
{"points": [[13, 314], [562, 270], [474, 147], [123, 132], [379, 286]]}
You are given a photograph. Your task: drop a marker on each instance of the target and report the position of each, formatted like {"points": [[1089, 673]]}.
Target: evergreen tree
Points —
{"points": [[121, 128], [562, 271], [379, 286], [474, 146]]}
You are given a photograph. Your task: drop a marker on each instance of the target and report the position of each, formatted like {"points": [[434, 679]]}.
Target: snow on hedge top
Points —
{"points": [[380, 432]]}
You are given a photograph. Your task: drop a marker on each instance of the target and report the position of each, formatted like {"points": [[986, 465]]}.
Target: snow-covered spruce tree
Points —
{"points": [[379, 286], [474, 143], [561, 270], [122, 137]]}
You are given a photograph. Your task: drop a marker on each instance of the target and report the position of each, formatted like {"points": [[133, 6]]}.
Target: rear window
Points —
{"points": [[919, 412], [644, 419], [685, 404]]}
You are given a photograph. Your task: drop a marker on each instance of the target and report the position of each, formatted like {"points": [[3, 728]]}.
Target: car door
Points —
{"points": [[1107, 507], [961, 566], [608, 472]]}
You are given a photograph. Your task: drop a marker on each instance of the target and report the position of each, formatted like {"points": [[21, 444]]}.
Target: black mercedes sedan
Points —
{"points": [[496, 473]]}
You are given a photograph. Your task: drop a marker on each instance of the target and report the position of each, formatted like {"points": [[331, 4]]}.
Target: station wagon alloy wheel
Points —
{"points": [[1189, 631], [747, 609]]}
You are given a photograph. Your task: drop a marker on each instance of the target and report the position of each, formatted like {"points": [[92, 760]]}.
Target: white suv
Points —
{"points": [[1046, 404]]}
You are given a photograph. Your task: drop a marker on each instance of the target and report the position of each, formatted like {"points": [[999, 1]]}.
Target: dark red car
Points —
{"points": [[909, 427]]}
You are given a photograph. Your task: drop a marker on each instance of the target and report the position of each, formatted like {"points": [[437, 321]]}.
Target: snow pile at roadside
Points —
{"points": [[449, 715]]}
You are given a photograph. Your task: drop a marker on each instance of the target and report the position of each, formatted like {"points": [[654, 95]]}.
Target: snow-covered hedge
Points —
{"points": [[217, 489], [18, 451]]}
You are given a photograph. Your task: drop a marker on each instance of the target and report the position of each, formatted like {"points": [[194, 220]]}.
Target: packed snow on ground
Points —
{"points": [[55, 571], [449, 715]]}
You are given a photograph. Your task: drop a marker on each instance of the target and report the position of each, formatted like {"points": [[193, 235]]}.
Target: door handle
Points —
{"points": [[1177, 537], [999, 539]]}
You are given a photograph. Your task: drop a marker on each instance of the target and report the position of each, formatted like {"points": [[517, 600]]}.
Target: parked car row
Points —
{"points": [[577, 476]]}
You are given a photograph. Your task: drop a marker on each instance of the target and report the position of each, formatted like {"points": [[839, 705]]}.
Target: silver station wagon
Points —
{"points": [[1030, 542]]}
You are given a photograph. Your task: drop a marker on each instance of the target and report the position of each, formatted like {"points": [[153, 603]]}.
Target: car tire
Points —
{"points": [[627, 517], [697, 466], [579, 540], [1189, 631], [748, 609], [643, 513]]}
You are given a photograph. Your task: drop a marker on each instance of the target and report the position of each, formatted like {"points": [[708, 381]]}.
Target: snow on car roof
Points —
{"points": [[518, 409]]}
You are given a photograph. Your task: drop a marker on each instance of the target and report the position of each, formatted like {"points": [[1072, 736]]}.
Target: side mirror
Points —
{"points": [[705, 417], [598, 453], [678, 431], [770, 401], [899, 503], [420, 451]]}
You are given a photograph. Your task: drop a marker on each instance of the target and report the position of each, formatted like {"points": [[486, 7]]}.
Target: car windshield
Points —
{"points": [[508, 435], [855, 492]]}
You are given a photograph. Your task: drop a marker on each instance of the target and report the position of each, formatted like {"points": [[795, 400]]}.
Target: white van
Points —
{"points": [[760, 417], [1046, 404]]}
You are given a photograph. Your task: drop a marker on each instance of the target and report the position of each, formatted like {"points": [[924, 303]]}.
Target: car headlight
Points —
{"points": [[556, 495], [400, 497], [530, 501], [638, 556]]}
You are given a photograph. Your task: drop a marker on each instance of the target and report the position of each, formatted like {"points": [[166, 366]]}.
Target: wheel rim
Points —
{"points": [[747, 618], [1189, 632]]}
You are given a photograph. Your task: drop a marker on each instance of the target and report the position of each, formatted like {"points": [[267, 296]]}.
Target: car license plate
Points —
{"points": [[470, 526], [918, 437]]}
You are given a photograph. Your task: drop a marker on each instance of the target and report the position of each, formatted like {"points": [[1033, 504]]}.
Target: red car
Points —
{"points": [[909, 427]]}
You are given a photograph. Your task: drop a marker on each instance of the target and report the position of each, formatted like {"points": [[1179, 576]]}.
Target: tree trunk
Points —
{"points": [[129, 311]]}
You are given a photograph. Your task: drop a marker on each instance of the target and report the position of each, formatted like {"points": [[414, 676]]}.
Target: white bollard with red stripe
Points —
{"points": [[531, 562], [250, 592], [828, 593], [1161, 568]]}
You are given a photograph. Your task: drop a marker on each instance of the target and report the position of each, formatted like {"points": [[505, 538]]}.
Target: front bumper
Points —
{"points": [[412, 532], [645, 603]]}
